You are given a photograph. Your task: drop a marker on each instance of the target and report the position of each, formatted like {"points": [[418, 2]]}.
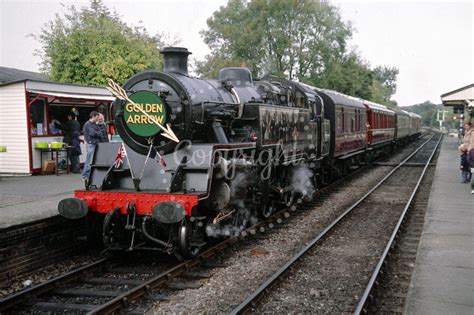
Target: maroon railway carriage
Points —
{"points": [[380, 124], [349, 123]]}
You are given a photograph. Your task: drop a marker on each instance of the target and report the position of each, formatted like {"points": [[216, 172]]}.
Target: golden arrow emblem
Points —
{"points": [[120, 93]]}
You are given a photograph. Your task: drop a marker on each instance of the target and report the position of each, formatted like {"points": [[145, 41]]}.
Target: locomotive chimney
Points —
{"points": [[175, 59]]}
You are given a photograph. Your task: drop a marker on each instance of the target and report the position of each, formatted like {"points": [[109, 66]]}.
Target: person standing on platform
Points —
{"points": [[91, 136], [465, 169], [468, 141], [104, 137], [76, 150], [68, 128]]}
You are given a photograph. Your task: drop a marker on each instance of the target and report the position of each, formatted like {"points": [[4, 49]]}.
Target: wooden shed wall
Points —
{"points": [[13, 129]]}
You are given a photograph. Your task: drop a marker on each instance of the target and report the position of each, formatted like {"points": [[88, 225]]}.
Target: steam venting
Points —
{"points": [[175, 59], [301, 181]]}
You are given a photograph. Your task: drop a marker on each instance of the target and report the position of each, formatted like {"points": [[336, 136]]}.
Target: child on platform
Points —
{"points": [[465, 170]]}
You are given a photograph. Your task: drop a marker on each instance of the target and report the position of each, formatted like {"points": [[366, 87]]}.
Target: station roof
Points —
{"points": [[60, 90], [38, 84], [461, 96], [8, 75]]}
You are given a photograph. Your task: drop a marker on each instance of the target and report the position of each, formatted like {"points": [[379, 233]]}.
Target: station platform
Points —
{"points": [[30, 198], [443, 278]]}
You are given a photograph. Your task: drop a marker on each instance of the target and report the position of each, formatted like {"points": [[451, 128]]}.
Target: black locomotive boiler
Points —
{"points": [[247, 147]]}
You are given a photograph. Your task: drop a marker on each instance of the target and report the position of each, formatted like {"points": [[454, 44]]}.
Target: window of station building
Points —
{"points": [[38, 124], [60, 112]]}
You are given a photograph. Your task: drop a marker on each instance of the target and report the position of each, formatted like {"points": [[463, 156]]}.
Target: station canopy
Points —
{"points": [[460, 99], [38, 84], [63, 93]]}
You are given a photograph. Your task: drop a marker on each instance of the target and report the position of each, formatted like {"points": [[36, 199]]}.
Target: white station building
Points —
{"points": [[28, 104]]}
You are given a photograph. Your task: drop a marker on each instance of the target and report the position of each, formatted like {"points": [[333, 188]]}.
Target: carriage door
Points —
{"points": [[369, 124]]}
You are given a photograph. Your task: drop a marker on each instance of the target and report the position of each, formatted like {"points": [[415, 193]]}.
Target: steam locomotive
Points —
{"points": [[247, 148]]}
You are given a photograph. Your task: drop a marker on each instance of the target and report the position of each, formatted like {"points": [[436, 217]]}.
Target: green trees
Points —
{"points": [[349, 74], [302, 40], [429, 114], [92, 44], [281, 37], [384, 85]]}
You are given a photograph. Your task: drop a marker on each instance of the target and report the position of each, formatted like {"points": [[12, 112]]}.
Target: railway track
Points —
{"points": [[87, 289], [335, 241], [394, 279], [107, 286], [25, 248]]}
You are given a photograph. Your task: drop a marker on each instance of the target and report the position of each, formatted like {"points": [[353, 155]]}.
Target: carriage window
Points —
{"points": [[343, 120], [352, 122], [339, 123], [38, 123], [358, 120]]}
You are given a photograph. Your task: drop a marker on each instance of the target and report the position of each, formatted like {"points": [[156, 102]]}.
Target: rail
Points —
{"points": [[396, 230], [255, 296], [138, 291]]}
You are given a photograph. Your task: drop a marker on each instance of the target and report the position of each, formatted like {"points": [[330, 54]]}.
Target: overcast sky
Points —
{"points": [[431, 43]]}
